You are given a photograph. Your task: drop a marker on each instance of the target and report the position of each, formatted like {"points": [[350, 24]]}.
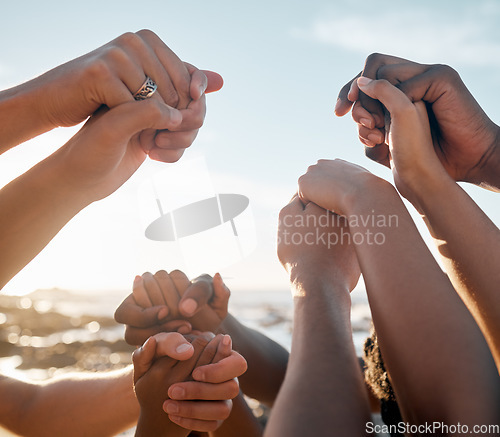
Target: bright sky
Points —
{"points": [[283, 63]]}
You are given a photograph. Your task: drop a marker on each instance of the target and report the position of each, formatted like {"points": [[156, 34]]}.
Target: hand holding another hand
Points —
{"points": [[166, 359], [314, 243], [163, 302], [465, 140]]}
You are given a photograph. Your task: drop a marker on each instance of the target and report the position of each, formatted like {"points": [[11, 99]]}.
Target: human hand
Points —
{"points": [[313, 242], [412, 158], [108, 77], [465, 139], [336, 185], [211, 382], [108, 149], [111, 74], [154, 372], [164, 301]]}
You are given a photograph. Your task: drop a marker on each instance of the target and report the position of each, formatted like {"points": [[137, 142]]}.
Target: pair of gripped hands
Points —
{"points": [[120, 132]]}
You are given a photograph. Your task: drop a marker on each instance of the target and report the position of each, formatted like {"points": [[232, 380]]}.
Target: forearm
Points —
{"points": [[100, 405], [322, 366], [21, 116], [424, 329], [241, 422], [33, 208], [266, 359], [469, 244]]}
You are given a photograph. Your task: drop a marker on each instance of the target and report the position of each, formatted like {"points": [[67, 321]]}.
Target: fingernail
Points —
{"points": [[366, 122], [226, 341], [137, 279], [162, 313], [177, 393], [184, 347], [203, 87], [189, 306], [172, 408], [375, 138], [364, 81], [145, 343]]}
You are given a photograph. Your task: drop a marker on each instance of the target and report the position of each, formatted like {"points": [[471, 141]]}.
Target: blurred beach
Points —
{"points": [[49, 332]]}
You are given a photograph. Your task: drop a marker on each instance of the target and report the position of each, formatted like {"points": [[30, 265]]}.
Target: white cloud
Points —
{"points": [[464, 37]]}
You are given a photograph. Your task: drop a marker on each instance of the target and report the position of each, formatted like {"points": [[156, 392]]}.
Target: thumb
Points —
{"points": [[133, 117], [215, 81], [174, 345], [391, 97]]}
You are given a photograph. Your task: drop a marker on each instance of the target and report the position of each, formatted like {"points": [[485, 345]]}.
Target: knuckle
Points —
{"points": [[227, 406], [212, 425], [129, 39], [233, 388], [204, 277], [283, 213], [198, 119], [117, 55], [442, 70], [130, 339], [147, 275], [374, 58], [161, 274], [146, 33], [99, 70], [170, 96]]}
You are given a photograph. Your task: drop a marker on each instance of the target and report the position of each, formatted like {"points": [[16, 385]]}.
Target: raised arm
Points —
{"points": [[93, 164], [438, 361], [323, 392], [468, 241]]}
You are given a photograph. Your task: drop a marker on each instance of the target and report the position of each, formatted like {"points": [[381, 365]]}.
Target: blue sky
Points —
{"points": [[283, 63]]}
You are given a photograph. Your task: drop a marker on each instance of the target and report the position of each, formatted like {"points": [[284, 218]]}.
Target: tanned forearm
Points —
{"points": [[425, 332], [469, 244], [33, 208], [21, 116], [106, 401]]}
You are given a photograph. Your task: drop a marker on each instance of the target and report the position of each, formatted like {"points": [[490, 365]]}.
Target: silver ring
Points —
{"points": [[147, 89]]}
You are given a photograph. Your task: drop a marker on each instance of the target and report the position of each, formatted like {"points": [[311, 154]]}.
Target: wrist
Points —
{"points": [[158, 424], [62, 190], [486, 173], [305, 278], [429, 183], [370, 191]]}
